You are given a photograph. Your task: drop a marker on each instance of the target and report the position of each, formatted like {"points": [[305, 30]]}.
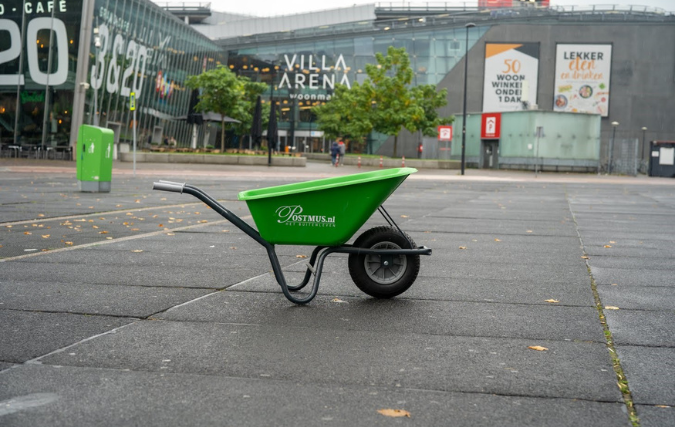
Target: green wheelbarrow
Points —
{"points": [[383, 261]]}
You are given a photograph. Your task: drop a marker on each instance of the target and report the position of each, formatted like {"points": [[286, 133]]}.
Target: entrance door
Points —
{"points": [[490, 154]]}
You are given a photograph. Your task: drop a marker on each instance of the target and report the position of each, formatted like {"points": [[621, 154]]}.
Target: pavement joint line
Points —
{"points": [[60, 218], [36, 360], [118, 316], [622, 379], [121, 239]]}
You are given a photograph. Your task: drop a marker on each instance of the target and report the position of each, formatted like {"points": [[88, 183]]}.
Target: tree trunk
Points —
{"points": [[222, 136], [395, 142]]}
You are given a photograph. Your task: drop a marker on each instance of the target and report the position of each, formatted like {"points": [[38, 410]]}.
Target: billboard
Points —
{"points": [[511, 75], [582, 73]]}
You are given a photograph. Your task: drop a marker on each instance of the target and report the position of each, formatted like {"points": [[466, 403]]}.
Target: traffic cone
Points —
{"points": [[359, 163], [403, 161], [380, 161]]}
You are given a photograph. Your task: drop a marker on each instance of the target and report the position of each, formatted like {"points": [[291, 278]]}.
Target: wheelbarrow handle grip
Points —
{"points": [[176, 187]]}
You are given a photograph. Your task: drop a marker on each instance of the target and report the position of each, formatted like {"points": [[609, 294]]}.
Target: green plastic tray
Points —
{"points": [[324, 212]]}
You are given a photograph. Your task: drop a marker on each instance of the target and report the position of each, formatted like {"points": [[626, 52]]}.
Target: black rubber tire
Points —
{"points": [[400, 279]]}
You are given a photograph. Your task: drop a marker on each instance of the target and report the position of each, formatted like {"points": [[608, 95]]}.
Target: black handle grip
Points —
{"points": [[168, 186]]}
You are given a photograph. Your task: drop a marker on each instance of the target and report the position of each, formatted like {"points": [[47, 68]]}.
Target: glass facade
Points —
{"points": [[135, 47], [302, 74]]}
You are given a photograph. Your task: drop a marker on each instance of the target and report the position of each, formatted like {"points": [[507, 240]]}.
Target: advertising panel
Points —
{"points": [[491, 126], [582, 73], [511, 76]]}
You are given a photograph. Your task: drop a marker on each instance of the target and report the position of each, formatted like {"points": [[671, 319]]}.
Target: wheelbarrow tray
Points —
{"points": [[323, 212]]}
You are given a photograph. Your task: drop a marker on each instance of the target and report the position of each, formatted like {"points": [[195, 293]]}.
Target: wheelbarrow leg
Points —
{"points": [[279, 275], [310, 269]]}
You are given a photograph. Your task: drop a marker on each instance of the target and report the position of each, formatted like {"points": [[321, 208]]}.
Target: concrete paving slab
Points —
{"points": [[632, 277], [112, 300], [575, 370], [664, 265], [208, 276], [651, 416], [650, 372], [637, 327], [397, 315], [637, 297], [26, 335], [104, 397]]}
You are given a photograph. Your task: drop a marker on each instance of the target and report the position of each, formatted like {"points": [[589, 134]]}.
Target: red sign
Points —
{"points": [[445, 133], [491, 125]]}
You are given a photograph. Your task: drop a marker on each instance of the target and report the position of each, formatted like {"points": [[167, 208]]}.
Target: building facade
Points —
{"points": [[615, 62], [72, 62]]}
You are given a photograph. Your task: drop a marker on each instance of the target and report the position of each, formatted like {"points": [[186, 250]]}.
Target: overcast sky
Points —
{"points": [[286, 7]]}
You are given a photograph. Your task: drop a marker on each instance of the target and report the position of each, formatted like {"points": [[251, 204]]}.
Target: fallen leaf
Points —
{"points": [[584, 257], [108, 238], [396, 413], [69, 243], [45, 236], [612, 241], [129, 213], [170, 234], [462, 247], [301, 256], [537, 348], [137, 250], [94, 226], [608, 246], [336, 299], [135, 229], [137, 201], [203, 221], [662, 406], [611, 307], [118, 206], [615, 284], [28, 233], [233, 247], [404, 216], [529, 231], [225, 231], [161, 225], [102, 232], [552, 301], [497, 240], [41, 215]]}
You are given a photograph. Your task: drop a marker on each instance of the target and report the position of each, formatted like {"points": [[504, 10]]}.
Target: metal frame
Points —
{"points": [[319, 254]]}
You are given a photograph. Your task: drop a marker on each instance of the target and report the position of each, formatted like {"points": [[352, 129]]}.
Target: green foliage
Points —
{"points": [[385, 102], [225, 93]]}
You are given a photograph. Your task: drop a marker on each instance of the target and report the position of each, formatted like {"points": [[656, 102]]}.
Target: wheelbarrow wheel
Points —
{"points": [[383, 276]]}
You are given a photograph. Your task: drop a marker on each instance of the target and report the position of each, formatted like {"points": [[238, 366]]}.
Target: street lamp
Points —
{"points": [[97, 45], [642, 152], [611, 146], [466, 68]]}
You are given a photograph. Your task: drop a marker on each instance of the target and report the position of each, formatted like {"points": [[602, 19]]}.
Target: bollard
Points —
{"points": [[403, 161], [359, 162], [380, 161]]}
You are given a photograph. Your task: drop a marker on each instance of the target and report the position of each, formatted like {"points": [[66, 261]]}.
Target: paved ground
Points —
{"points": [[146, 308]]}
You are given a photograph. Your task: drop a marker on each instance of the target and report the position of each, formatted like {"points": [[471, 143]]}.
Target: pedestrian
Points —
{"points": [[334, 151], [341, 146]]}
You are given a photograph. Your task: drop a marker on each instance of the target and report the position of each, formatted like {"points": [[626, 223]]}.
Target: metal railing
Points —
{"points": [[458, 17], [185, 7]]}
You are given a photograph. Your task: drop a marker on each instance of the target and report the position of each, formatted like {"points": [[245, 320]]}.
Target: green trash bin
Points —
{"points": [[94, 158]]}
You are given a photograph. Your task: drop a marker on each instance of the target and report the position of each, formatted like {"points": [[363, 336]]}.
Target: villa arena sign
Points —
{"points": [[313, 72]]}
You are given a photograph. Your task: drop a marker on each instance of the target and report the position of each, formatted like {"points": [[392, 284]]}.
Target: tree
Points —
{"points": [[347, 114], [384, 102], [225, 93]]}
